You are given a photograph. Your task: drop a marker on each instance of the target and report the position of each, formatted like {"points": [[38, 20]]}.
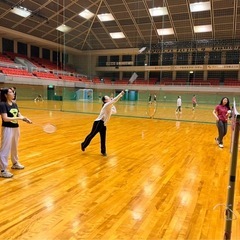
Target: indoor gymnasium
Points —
{"points": [[119, 119]]}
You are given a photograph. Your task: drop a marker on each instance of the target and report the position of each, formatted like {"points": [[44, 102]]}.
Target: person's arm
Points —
{"points": [[215, 114], [5, 118], [109, 104], [25, 119], [114, 100]]}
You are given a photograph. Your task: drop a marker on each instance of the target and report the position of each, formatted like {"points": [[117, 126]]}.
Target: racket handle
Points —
{"points": [[27, 120]]}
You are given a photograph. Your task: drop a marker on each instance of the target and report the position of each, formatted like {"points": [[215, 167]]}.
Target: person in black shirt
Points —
{"points": [[10, 132]]}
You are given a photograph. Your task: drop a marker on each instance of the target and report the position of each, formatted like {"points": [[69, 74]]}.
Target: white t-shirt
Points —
{"points": [[179, 102], [108, 109]]}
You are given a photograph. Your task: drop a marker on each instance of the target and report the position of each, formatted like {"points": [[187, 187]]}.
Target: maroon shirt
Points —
{"points": [[221, 111]]}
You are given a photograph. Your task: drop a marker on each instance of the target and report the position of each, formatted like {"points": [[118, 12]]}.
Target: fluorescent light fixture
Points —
{"points": [[165, 31], [203, 28], [117, 35], [200, 6], [21, 11], [86, 14], [158, 11], [105, 17], [63, 28]]}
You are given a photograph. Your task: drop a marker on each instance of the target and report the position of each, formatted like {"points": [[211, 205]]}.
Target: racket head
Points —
{"points": [[151, 109], [49, 128]]}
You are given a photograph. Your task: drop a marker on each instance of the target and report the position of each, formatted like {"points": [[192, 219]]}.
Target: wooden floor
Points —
{"points": [[162, 179]]}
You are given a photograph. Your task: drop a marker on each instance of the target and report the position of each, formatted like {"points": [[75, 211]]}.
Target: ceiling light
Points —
{"points": [[159, 11], [165, 31], [86, 14], [21, 11], [200, 6], [105, 17], [63, 28], [203, 28], [117, 35]]}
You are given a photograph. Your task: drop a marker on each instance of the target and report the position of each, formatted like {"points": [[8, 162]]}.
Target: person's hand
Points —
{"points": [[27, 120]]}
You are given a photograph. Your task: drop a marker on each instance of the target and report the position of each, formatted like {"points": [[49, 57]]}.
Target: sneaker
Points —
{"points": [[6, 174], [83, 149], [220, 145], [217, 142], [17, 166]]}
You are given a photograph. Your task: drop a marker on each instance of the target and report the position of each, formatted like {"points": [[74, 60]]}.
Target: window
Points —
{"points": [[22, 48], [102, 60], [153, 59], [167, 59], [114, 58], [7, 45], [140, 60], [34, 51], [232, 57], [198, 58], [214, 58], [182, 58], [46, 53], [127, 58]]}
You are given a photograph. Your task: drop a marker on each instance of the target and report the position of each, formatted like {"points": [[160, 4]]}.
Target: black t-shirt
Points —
{"points": [[12, 111]]}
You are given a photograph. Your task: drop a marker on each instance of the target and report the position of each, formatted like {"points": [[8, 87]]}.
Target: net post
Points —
{"points": [[232, 178]]}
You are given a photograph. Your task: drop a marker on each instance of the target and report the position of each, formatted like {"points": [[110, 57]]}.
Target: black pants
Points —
{"points": [[179, 109], [98, 127], [222, 130]]}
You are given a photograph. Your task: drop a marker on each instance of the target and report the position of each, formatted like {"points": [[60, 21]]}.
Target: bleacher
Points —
{"points": [[97, 80], [200, 82], [44, 63], [68, 77], [231, 82], [15, 72], [46, 75], [46, 69], [173, 82], [145, 82], [123, 81], [40, 68], [214, 81], [5, 59], [84, 79]]}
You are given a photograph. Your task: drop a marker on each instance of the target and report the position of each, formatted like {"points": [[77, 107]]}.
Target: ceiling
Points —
{"points": [[131, 17]]}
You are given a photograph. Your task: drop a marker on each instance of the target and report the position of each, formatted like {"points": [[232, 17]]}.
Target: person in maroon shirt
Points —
{"points": [[194, 102], [222, 112]]}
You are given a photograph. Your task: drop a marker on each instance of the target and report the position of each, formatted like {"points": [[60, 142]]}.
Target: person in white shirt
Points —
{"points": [[179, 105], [99, 125]]}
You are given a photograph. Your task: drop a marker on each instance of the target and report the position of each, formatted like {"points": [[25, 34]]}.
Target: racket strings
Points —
{"points": [[227, 212], [49, 128]]}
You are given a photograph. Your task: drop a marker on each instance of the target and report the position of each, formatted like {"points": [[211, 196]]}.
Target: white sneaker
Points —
{"points": [[6, 174], [220, 145], [17, 166]]}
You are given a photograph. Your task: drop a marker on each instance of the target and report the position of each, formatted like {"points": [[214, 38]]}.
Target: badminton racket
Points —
{"points": [[46, 127], [151, 109]]}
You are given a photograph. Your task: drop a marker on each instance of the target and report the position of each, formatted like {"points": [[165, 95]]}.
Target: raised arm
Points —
{"points": [[114, 100]]}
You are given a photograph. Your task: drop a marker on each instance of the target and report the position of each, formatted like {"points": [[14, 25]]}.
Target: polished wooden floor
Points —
{"points": [[162, 179]]}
